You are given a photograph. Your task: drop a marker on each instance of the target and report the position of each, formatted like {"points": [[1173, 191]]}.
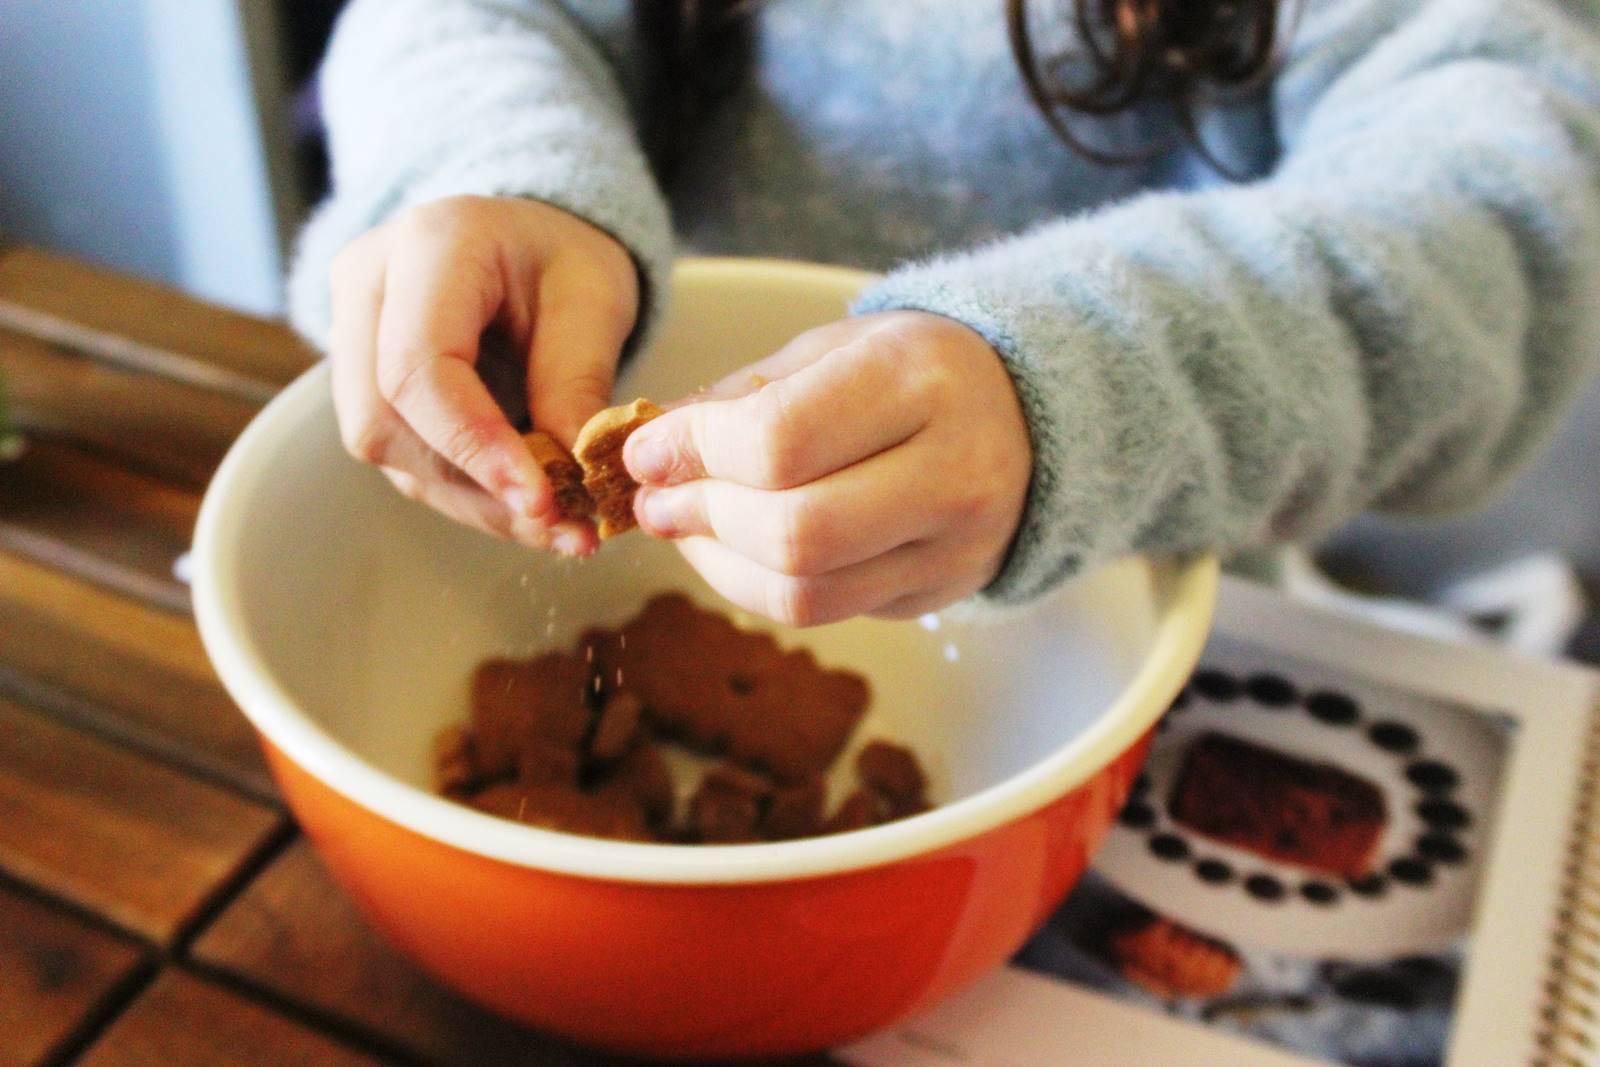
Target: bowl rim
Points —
{"points": [[1179, 637]]}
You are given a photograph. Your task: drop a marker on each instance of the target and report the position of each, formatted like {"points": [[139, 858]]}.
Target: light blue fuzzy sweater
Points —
{"points": [[1392, 314]]}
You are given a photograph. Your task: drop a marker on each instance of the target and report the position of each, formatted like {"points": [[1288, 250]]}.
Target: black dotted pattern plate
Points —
{"points": [[1433, 780]]}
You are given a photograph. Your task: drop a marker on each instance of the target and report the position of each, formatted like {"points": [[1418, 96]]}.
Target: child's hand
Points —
{"points": [[877, 465], [410, 302]]}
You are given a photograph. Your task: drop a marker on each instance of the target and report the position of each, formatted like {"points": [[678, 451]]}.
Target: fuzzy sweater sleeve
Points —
{"points": [[1392, 319], [431, 98]]}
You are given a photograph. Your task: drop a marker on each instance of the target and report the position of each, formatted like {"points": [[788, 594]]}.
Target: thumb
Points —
{"points": [[579, 328]]}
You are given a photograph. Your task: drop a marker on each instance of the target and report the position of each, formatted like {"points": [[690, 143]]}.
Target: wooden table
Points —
{"points": [[157, 903]]}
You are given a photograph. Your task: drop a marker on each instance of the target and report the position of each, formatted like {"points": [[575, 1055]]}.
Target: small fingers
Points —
{"points": [[371, 430], [421, 474], [850, 516], [580, 326], [801, 351], [469, 505], [852, 403], [813, 601], [435, 308], [442, 400], [366, 422]]}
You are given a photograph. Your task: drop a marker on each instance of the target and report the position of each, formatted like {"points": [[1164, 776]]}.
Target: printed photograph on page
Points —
{"points": [[1298, 864]]}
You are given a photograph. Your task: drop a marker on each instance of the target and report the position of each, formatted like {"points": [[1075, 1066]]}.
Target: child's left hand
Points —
{"points": [[877, 465]]}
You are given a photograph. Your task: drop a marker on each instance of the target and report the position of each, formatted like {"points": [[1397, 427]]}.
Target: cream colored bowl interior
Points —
{"points": [[346, 621]]}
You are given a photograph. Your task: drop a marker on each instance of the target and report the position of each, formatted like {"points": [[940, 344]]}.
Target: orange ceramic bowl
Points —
{"points": [[345, 621]]}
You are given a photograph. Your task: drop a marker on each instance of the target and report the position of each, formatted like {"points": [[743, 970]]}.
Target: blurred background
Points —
{"points": [[178, 140], [173, 139]]}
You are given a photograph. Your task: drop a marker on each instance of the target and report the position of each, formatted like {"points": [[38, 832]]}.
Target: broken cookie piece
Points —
{"points": [[455, 771], [722, 689], [795, 717], [726, 808], [598, 450], [517, 703], [892, 772], [606, 813], [857, 811], [731, 778], [575, 740], [546, 762], [565, 475], [590, 482], [795, 811], [644, 775], [617, 726]]}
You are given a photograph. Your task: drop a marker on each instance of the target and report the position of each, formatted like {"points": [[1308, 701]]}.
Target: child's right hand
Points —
{"points": [[411, 299]]}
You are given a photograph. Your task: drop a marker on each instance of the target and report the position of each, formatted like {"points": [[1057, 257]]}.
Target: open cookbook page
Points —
{"points": [[1347, 848]]}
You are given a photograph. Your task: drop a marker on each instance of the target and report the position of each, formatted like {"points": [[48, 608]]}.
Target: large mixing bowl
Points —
{"points": [[346, 620]]}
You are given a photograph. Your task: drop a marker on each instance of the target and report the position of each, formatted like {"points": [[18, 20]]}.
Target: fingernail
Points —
{"points": [[655, 507], [568, 543], [646, 454]]}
